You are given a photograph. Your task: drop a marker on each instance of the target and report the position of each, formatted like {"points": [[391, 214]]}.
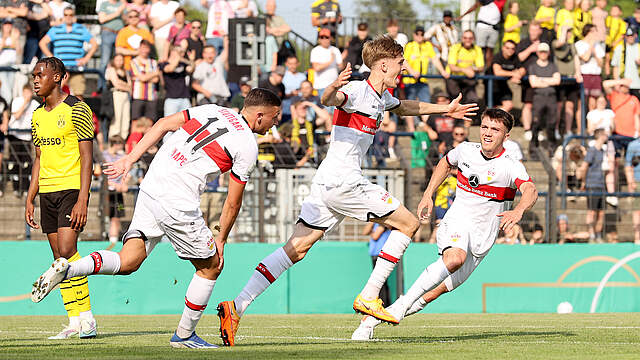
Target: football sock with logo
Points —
{"points": [[430, 278], [391, 253], [266, 273], [80, 289], [195, 301], [99, 262]]}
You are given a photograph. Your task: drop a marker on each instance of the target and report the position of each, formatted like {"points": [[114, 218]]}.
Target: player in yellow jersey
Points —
{"points": [[62, 131]]}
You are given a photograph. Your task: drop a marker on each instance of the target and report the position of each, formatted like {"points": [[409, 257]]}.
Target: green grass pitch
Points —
{"points": [[423, 336]]}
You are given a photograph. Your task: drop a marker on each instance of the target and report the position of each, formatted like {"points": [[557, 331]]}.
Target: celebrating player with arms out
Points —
{"points": [[62, 130], [487, 183], [206, 141], [339, 189]]}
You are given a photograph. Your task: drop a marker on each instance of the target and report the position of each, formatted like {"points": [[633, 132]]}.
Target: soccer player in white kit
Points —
{"points": [[339, 189], [488, 178], [203, 142]]}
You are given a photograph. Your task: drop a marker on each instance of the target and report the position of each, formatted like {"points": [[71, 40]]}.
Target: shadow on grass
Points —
{"points": [[481, 336]]}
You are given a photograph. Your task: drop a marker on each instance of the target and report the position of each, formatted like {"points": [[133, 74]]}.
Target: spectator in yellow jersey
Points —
{"points": [[546, 15], [617, 27], [564, 19], [466, 59], [62, 131], [513, 24], [581, 17], [418, 53], [326, 14]]}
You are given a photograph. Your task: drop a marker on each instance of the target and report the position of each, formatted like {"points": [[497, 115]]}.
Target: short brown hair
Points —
{"points": [[499, 115], [261, 97], [382, 47]]}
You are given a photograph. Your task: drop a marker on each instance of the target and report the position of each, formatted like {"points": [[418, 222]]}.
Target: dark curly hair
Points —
{"points": [[56, 66]]}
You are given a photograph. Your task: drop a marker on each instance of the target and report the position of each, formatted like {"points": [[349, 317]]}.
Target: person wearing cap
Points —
{"points": [[208, 77], [326, 14], [543, 78], [274, 81], [237, 102], [8, 55], [626, 60], [446, 35], [418, 53], [326, 61], [353, 52], [487, 25]]}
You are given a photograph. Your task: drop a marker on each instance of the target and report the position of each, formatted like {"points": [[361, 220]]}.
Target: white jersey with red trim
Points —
{"points": [[354, 124], [486, 187], [212, 141]]}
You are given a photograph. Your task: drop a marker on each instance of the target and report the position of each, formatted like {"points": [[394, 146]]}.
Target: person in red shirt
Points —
{"points": [[627, 112]]}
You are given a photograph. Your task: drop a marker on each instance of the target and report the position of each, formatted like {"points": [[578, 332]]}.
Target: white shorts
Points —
{"points": [[187, 231], [448, 237], [327, 206], [486, 36]]}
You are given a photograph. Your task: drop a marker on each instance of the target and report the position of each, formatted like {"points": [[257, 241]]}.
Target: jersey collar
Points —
{"points": [[495, 157], [374, 90]]}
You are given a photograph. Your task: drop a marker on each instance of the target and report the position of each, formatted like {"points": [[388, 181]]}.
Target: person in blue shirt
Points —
{"points": [[632, 172], [379, 234]]}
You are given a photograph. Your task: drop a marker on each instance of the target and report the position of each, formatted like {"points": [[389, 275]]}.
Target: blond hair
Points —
{"points": [[382, 47]]}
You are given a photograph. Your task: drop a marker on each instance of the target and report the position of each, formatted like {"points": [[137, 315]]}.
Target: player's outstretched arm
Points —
{"points": [[230, 211], [439, 174], [453, 109], [528, 199], [157, 132], [331, 96]]}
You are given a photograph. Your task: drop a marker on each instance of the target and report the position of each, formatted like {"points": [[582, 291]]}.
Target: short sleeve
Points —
{"points": [[52, 34], [34, 135], [199, 73], [349, 92], [479, 60], [430, 52], [338, 56], [390, 102], [86, 35], [82, 119], [590, 156], [600, 51], [519, 174], [617, 56], [453, 155], [315, 53], [453, 55], [581, 47], [243, 164]]}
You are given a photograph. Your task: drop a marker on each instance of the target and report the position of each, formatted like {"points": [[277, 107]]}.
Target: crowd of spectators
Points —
{"points": [[154, 62]]}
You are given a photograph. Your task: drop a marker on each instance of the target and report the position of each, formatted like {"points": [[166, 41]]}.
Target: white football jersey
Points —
{"points": [[212, 141], [486, 187], [354, 124]]}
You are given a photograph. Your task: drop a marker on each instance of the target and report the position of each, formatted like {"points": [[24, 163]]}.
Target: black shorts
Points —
{"points": [[116, 204], [595, 202], [569, 92], [55, 209]]}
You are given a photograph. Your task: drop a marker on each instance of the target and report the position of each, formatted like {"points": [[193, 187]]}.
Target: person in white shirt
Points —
{"points": [[219, 13], [200, 143], [208, 77], [487, 180], [339, 189], [19, 136], [446, 35], [393, 31], [162, 16], [326, 61], [591, 53]]}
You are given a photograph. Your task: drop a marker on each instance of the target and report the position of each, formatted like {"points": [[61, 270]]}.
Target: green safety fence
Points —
{"points": [[510, 279]]}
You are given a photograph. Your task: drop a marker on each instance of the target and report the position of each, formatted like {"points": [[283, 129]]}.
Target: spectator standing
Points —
{"points": [[178, 32], [22, 109], [592, 172], [8, 57], [130, 37], [57, 11], [591, 53], [175, 72], [219, 13], [626, 60], [353, 52], [417, 54], [603, 118], [274, 82], [38, 25], [633, 22], [632, 172], [195, 42], [326, 14], [110, 19], [543, 78], [616, 27], [119, 84], [276, 25], [326, 61], [143, 9], [116, 187], [546, 16], [237, 102], [243, 9], [565, 57], [68, 42], [487, 25], [506, 64], [17, 11], [394, 31], [145, 76], [627, 112], [465, 59], [162, 16], [446, 35], [598, 19], [581, 17], [564, 20], [513, 24], [208, 77]]}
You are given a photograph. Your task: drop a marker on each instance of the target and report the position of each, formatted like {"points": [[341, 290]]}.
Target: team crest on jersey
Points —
{"points": [[491, 174], [378, 120], [474, 180], [387, 198], [61, 121], [210, 243]]}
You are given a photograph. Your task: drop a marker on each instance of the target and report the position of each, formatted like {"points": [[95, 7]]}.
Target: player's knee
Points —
{"points": [[66, 251], [295, 250], [453, 260], [129, 264]]}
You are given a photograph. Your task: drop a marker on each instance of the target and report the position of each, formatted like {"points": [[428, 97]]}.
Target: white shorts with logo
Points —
{"points": [[448, 236], [186, 230], [327, 206]]}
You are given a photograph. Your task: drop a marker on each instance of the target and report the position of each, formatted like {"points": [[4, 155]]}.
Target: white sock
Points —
{"points": [[99, 262], [266, 273], [87, 315], [196, 300], [429, 279], [74, 322], [391, 252], [416, 306]]}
